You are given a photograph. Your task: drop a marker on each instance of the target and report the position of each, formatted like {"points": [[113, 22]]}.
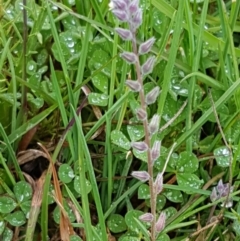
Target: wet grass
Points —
{"points": [[63, 101]]}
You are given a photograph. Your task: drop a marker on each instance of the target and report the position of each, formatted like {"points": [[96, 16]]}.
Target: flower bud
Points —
{"points": [[160, 224], [146, 46], [137, 19], [134, 85], [151, 96], [154, 124], [129, 57], [141, 114], [121, 15], [119, 5], [141, 146], [155, 151], [133, 6], [125, 34], [214, 196], [147, 67], [141, 175], [158, 184], [146, 217]]}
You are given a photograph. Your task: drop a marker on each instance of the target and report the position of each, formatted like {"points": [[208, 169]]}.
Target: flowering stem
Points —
{"points": [[147, 138]]}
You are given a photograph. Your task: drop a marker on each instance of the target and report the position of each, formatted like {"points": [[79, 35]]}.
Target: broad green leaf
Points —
{"points": [[7, 204], [130, 221], [98, 59], [170, 109], [56, 213], [222, 156], [143, 192], [31, 67], [2, 226], [236, 223], [100, 81], [25, 207], [7, 234], [140, 155], [189, 180], [116, 223], [71, 48], [187, 163], [170, 211], [172, 195], [65, 173], [98, 99], [77, 187], [135, 132], [160, 202], [163, 237], [119, 139], [129, 237], [160, 162], [70, 22], [158, 20], [22, 191], [16, 219], [35, 103], [223, 111]]}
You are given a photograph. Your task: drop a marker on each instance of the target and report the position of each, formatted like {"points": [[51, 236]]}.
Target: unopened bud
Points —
{"points": [[125, 34], [158, 184], [146, 217], [146, 46], [133, 6], [141, 175], [141, 146], [214, 196], [129, 57], [160, 224], [134, 85], [155, 151], [151, 96], [121, 15], [137, 19], [119, 4], [154, 124], [147, 67], [141, 114]]}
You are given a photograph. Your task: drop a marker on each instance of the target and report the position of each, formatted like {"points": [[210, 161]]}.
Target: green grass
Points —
{"points": [[70, 48]]}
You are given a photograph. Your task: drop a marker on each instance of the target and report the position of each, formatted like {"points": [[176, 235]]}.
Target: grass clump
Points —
{"points": [[130, 138]]}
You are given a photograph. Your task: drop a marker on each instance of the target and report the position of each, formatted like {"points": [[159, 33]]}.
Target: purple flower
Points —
{"points": [[129, 57], [121, 15], [151, 96], [118, 5], [141, 175], [154, 124], [160, 224], [134, 85], [141, 146], [158, 184], [147, 67], [146, 46], [155, 151], [146, 217], [136, 21], [125, 34], [141, 114], [133, 6], [214, 195]]}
